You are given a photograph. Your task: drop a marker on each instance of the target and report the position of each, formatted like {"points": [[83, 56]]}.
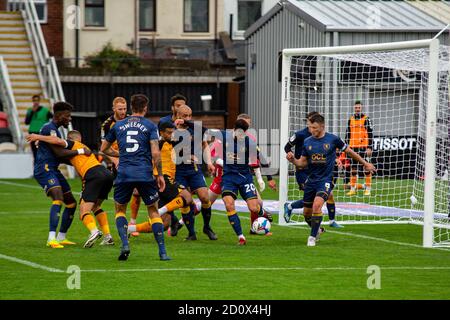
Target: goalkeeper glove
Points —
{"points": [[261, 183]]}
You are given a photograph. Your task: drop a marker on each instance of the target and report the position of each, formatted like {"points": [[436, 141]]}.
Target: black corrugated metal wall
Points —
{"points": [[98, 97]]}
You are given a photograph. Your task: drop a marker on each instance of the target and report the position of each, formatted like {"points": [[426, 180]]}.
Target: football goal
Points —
{"points": [[403, 87]]}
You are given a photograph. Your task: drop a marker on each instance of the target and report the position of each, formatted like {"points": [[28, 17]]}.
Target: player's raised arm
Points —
{"points": [[61, 152], [48, 139], [106, 149], [367, 166], [205, 145], [288, 148], [107, 143], [301, 163], [207, 157]]}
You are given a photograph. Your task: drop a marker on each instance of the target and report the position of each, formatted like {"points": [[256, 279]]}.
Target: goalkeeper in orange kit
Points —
{"points": [[359, 137]]}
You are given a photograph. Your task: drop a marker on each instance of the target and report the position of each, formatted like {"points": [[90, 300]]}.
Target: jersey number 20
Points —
{"points": [[250, 188], [131, 140]]}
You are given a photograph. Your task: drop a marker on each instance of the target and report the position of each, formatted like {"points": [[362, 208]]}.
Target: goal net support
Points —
{"points": [[404, 89]]}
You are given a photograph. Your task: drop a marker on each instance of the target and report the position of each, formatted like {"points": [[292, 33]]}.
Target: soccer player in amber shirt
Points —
{"points": [[97, 183]]}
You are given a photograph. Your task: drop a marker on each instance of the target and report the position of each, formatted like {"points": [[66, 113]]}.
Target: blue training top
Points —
{"points": [[297, 141], [45, 156], [321, 155], [133, 135], [238, 154]]}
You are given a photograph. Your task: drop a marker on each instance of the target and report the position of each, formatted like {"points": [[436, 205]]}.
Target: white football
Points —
{"points": [[261, 226]]}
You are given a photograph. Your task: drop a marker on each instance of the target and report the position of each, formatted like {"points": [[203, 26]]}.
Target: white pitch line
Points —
{"points": [[346, 268], [361, 236], [20, 185], [349, 234], [30, 264], [264, 269], [28, 186], [23, 212]]}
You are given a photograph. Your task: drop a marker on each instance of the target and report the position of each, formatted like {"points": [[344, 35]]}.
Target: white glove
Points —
{"points": [[219, 162], [262, 184]]}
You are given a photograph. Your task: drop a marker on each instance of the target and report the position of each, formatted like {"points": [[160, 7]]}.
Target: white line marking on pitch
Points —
{"points": [[349, 234], [23, 212], [361, 236], [20, 185], [30, 264], [265, 269], [30, 186], [54, 270]]}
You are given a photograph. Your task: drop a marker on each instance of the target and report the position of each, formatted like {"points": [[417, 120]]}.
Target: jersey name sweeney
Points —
{"points": [[138, 125]]}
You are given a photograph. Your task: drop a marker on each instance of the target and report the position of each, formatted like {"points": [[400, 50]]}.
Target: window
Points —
{"points": [[41, 8], [196, 15], [94, 13], [248, 12], [147, 15]]}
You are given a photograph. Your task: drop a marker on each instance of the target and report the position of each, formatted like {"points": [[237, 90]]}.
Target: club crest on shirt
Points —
{"points": [[53, 133], [51, 182], [309, 147], [326, 146]]}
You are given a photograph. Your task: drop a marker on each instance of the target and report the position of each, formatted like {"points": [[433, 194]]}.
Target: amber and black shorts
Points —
{"points": [[97, 184]]}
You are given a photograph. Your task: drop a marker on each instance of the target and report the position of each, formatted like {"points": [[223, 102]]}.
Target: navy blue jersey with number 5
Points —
{"points": [[133, 135], [321, 155]]}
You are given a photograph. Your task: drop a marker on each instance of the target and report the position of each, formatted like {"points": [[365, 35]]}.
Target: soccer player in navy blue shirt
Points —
{"points": [[296, 141], [138, 141], [176, 102], [319, 155], [239, 152], [189, 173], [47, 174]]}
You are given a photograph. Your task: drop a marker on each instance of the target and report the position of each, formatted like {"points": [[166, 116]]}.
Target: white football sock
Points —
{"points": [[61, 236], [51, 235]]}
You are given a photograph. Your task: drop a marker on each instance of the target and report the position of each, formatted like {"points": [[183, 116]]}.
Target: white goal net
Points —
{"points": [[404, 89]]}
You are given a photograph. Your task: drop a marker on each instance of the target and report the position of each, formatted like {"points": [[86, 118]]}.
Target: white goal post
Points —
{"points": [[404, 89]]}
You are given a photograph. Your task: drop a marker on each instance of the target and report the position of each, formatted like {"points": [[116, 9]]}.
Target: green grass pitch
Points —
{"points": [[276, 267]]}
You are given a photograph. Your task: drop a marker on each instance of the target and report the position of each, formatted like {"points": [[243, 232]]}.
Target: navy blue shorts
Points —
{"points": [[190, 179], [317, 189], [234, 183], [301, 176], [147, 190], [52, 179]]}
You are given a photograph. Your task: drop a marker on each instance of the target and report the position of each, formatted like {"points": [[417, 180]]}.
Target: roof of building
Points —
{"points": [[437, 9], [357, 16]]}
